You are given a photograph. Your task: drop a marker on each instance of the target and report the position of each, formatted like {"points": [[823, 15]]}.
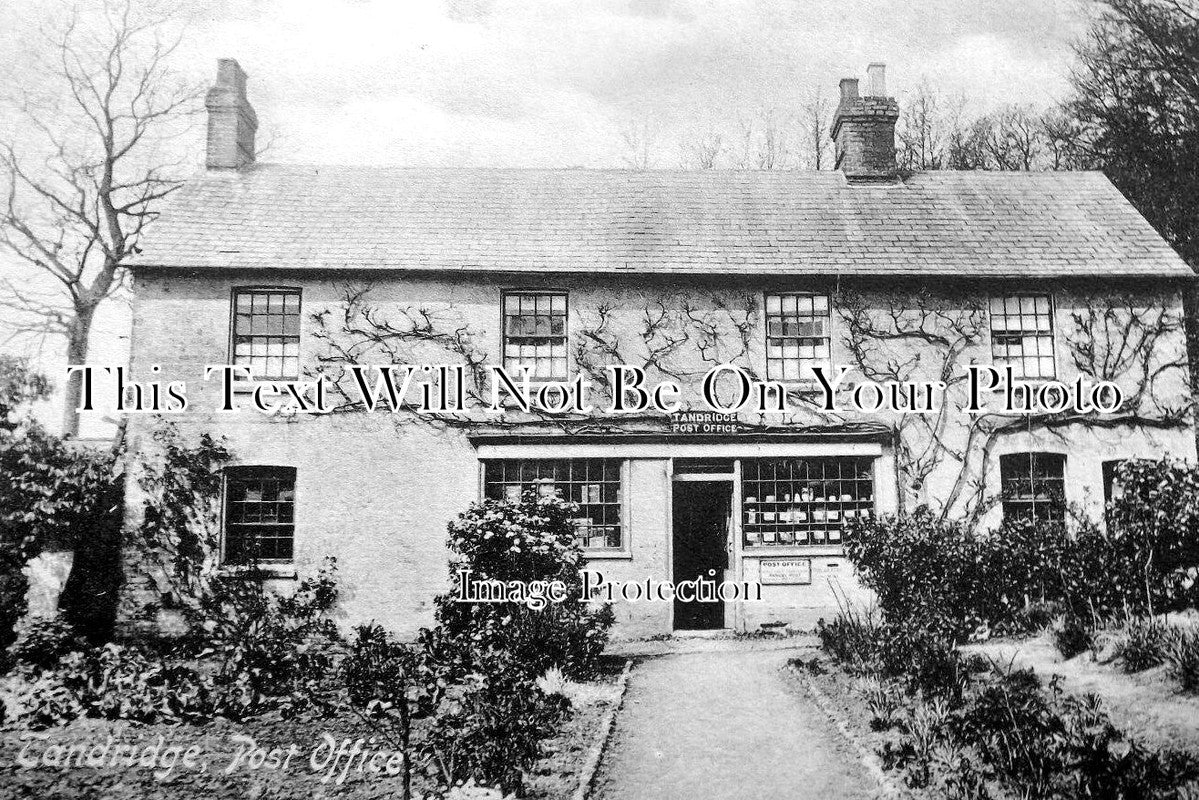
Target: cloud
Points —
{"points": [[525, 81]]}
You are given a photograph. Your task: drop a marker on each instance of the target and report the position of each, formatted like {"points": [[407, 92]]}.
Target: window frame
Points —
{"points": [[1029, 474], [815, 472], [232, 344], [550, 292], [262, 469], [828, 337], [622, 483], [1052, 316]]}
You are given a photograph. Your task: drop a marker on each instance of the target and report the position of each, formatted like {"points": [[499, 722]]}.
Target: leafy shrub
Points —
{"points": [[116, 682], [1157, 518], [922, 659], [926, 660], [932, 571], [376, 669], [1036, 616], [1043, 744], [270, 653], [52, 496], [489, 729], [1071, 636], [271, 649], [532, 539], [1182, 656], [381, 680], [43, 642], [1146, 643]]}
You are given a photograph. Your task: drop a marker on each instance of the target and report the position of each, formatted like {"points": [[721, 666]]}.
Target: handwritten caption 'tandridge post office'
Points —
{"points": [[332, 760]]}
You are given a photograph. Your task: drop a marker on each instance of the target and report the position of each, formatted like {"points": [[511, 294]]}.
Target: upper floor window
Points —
{"points": [[1033, 486], [797, 335], [260, 514], [535, 334], [266, 332], [593, 483], [1022, 334]]}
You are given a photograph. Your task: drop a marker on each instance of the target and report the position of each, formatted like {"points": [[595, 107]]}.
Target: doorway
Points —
{"points": [[702, 518]]}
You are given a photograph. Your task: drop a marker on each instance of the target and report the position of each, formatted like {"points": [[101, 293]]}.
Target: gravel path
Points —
{"points": [[717, 725]]}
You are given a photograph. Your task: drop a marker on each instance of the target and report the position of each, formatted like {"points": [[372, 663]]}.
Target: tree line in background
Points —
{"points": [[92, 167], [1133, 112]]}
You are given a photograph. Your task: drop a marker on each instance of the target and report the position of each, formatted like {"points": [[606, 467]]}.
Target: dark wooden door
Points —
{"points": [[701, 525]]}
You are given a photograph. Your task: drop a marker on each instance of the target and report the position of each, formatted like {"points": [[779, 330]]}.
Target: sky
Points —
{"points": [[566, 83]]}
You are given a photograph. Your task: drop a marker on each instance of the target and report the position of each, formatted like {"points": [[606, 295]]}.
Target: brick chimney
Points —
{"points": [[231, 119], [864, 130]]}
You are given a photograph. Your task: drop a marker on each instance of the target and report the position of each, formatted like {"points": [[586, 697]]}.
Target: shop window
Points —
{"points": [[593, 483], [1033, 486], [535, 334], [1022, 334], [266, 332], [797, 335], [260, 514], [805, 501]]}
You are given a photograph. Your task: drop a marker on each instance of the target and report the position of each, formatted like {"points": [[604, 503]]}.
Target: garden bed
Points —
{"points": [[554, 776], [1148, 704]]}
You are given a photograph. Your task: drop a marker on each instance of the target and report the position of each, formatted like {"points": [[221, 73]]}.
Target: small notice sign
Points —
{"points": [[704, 422], [785, 570]]}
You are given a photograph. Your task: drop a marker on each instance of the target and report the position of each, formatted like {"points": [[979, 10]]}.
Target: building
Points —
{"points": [[906, 279]]}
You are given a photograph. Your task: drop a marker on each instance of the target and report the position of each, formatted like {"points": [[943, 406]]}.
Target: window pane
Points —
{"points": [[535, 333], [1033, 486], [259, 514], [266, 325], [797, 335], [593, 483], [809, 501], [1022, 335]]}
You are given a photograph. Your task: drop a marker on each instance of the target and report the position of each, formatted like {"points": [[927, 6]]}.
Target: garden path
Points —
{"points": [[725, 724]]}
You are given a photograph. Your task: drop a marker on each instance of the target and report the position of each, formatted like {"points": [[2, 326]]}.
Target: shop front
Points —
{"points": [[748, 527]]}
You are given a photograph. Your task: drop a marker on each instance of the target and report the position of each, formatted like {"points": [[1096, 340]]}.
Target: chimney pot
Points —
{"points": [[876, 75], [232, 122], [849, 89], [864, 130]]}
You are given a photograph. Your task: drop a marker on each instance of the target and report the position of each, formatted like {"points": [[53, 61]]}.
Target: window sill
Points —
{"points": [[793, 551], [248, 387], [607, 555], [272, 571]]}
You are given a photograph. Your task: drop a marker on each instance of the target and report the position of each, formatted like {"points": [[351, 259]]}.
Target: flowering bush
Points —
{"points": [[532, 539]]}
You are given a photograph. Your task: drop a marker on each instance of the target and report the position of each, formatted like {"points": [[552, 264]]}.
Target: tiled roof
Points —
{"points": [[993, 224]]}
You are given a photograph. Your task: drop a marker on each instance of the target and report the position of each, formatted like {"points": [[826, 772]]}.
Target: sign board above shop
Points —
{"points": [[709, 422]]}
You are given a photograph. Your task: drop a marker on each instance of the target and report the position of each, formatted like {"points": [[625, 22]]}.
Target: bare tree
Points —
{"points": [[1013, 139], [702, 150], [88, 173], [641, 137], [765, 142], [817, 114], [921, 131]]}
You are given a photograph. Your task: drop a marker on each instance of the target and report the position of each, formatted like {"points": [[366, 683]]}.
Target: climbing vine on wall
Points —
{"points": [[178, 534], [890, 335]]}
